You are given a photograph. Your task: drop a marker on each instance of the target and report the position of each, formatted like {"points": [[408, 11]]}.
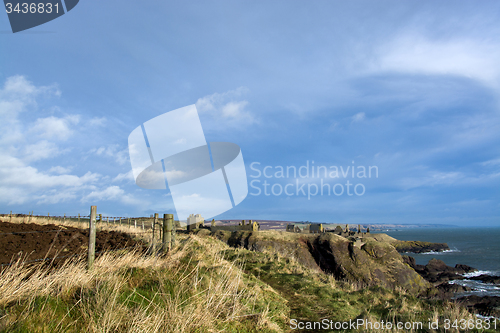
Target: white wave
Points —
{"points": [[485, 317], [478, 273], [441, 252]]}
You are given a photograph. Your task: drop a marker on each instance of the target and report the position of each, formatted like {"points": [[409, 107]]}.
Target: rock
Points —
{"points": [[436, 266], [447, 290], [486, 305], [419, 247], [255, 241], [437, 272], [410, 261], [461, 269], [486, 279], [376, 263]]}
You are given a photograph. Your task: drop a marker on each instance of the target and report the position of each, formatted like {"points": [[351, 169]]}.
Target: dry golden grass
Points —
{"points": [[193, 291]]}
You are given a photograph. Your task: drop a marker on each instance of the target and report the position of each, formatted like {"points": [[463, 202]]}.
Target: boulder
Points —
{"points": [[461, 269]]}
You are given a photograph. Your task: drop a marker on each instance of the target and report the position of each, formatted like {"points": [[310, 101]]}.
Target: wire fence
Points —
{"points": [[158, 234], [142, 222]]}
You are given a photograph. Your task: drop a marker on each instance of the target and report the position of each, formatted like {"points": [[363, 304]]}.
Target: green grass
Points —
{"points": [[203, 285]]}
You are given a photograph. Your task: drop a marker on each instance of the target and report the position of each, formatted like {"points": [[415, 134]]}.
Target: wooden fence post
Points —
{"points": [[10, 216], [48, 217], [142, 224], [167, 231], [135, 223], [92, 232], [153, 240], [174, 232], [78, 217]]}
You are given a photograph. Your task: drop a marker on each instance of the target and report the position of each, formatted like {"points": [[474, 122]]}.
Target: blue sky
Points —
{"points": [[410, 87]]}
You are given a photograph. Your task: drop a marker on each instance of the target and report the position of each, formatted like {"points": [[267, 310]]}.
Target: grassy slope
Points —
{"points": [[202, 286]]}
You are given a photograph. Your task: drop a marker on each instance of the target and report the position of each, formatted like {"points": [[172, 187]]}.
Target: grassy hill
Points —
{"points": [[254, 282]]}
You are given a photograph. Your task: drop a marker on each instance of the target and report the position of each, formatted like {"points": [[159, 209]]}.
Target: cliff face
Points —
{"points": [[375, 263]]}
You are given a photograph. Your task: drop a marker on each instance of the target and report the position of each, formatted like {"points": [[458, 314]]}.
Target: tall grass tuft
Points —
{"points": [[188, 290]]}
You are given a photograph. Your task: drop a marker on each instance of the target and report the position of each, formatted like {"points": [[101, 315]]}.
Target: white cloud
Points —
{"points": [[109, 193], [27, 139], [112, 193], [59, 170], [234, 109], [128, 176], [227, 106], [119, 155], [493, 162], [16, 173], [175, 174], [40, 150], [55, 128], [18, 93], [100, 122], [56, 196], [23, 183], [358, 117], [414, 53]]}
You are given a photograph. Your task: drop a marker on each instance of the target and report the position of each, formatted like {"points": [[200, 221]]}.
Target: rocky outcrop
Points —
{"points": [[486, 305], [437, 272], [486, 279], [447, 291], [419, 247], [262, 242], [374, 264]]}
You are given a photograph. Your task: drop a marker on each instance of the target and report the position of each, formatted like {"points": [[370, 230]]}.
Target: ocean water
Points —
{"points": [[476, 247]]}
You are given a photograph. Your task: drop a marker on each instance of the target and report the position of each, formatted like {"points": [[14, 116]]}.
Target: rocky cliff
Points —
{"points": [[376, 263]]}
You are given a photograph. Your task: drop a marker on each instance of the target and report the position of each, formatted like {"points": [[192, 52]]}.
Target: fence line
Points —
{"points": [[137, 222], [42, 231], [166, 231]]}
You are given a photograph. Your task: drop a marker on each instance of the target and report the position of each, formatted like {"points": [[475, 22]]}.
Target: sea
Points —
{"points": [[475, 247]]}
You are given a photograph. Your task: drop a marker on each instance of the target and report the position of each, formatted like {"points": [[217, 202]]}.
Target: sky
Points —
{"points": [[411, 89]]}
